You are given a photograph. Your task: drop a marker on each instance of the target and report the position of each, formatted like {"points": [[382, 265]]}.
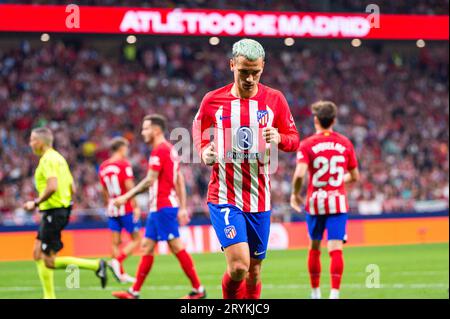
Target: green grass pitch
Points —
{"points": [[407, 271]]}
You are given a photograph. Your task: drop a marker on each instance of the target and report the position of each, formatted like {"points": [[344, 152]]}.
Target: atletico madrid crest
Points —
{"points": [[230, 232], [263, 117]]}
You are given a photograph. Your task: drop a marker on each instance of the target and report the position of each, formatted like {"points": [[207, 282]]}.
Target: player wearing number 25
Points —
{"points": [[331, 161], [116, 177]]}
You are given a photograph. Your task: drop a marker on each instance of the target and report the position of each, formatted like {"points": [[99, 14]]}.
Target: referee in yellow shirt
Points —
{"points": [[55, 186]]}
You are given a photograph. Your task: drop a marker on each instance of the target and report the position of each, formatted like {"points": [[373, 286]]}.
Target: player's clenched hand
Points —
{"points": [[271, 135], [183, 217], [30, 205], [296, 201], [119, 201], [209, 156]]}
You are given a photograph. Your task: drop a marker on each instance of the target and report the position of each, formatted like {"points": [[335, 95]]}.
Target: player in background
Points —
{"points": [[330, 159], [116, 177], [167, 191], [247, 118]]}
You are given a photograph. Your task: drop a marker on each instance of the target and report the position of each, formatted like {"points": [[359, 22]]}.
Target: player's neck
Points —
{"points": [[116, 157], [320, 130], [243, 95], [45, 149], [158, 140]]}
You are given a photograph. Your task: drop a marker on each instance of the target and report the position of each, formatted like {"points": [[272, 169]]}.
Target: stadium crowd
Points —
{"points": [[386, 6], [393, 106]]}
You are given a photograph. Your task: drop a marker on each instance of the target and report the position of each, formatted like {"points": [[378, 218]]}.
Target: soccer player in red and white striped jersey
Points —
{"points": [[116, 178], [330, 160], [248, 119], [167, 202]]}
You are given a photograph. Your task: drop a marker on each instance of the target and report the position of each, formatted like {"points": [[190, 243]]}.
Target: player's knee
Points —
{"points": [[49, 262], [36, 256], [238, 270], [254, 273], [147, 248], [315, 245], [335, 245], [136, 237], [175, 246]]}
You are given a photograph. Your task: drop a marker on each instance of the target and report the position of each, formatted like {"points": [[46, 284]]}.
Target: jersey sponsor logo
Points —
{"points": [[154, 160], [221, 117], [262, 116], [129, 171], [230, 232], [244, 137]]}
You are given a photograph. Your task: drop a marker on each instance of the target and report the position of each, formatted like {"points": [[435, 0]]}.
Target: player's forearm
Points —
{"points": [[48, 192], [139, 188], [297, 183], [352, 176], [289, 142], [181, 192]]}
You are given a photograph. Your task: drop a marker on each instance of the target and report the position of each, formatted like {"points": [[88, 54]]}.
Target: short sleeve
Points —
{"points": [[302, 154], [49, 169], [155, 160], [352, 160], [128, 171]]}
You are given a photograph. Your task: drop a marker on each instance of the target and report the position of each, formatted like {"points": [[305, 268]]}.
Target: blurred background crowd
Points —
{"points": [[393, 104]]}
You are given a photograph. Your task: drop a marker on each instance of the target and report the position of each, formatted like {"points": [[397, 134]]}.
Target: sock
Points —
{"points": [[187, 264], [314, 267], [145, 265], [46, 277], [90, 264], [253, 291], [121, 257], [233, 289], [336, 268]]}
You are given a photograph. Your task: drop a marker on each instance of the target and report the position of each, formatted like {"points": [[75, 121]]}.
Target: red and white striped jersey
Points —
{"points": [[113, 175], [241, 177], [165, 160], [329, 155]]}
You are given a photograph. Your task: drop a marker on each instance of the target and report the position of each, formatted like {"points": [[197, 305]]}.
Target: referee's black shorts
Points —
{"points": [[52, 223]]}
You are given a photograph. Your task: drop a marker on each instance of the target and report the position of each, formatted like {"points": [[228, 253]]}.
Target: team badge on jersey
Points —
{"points": [[263, 117], [230, 232]]}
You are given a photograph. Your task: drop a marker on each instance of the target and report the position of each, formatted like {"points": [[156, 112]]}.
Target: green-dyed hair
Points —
{"points": [[248, 48]]}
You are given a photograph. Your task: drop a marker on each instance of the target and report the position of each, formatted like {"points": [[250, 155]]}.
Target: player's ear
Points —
{"points": [[232, 64]]}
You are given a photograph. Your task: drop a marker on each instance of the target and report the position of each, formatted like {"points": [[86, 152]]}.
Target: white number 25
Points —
{"points": [[332, 167]]}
